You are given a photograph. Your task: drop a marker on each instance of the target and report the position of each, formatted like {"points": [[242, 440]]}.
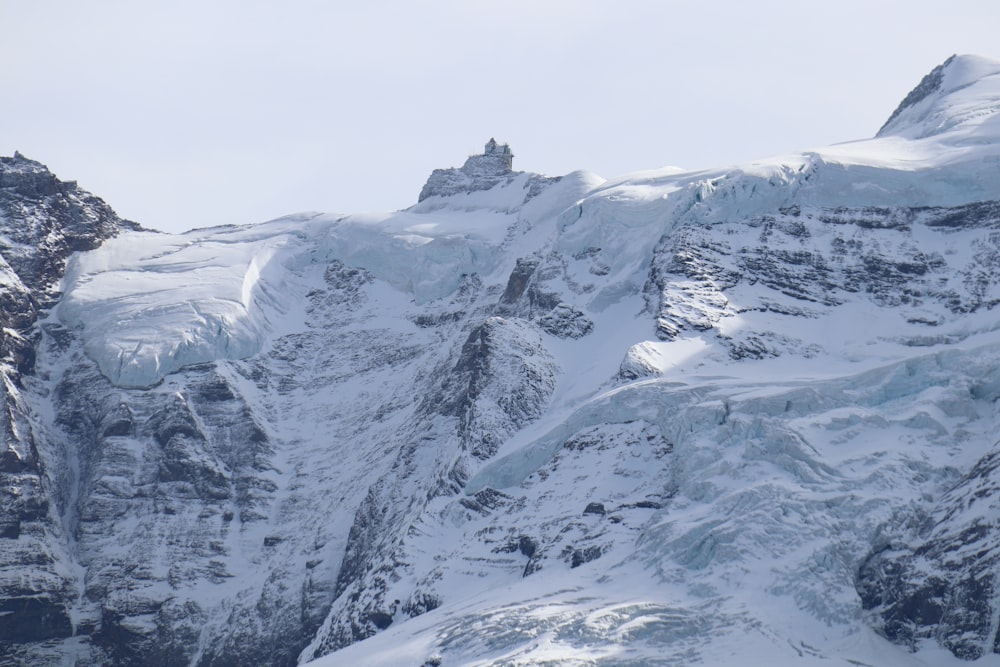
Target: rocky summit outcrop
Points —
{"points": [[480, 172], [677, 418], [42, 221], [483, 171]]}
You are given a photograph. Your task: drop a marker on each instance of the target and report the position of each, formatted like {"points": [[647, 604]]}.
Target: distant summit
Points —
{"points": [[929, 85], [480, 172], [959, 93]]}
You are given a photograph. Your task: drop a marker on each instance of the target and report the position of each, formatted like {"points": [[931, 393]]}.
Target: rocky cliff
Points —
{"points": [[42, 222]]}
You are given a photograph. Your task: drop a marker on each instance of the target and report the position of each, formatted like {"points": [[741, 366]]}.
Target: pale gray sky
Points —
{"points": [[193, 113]]}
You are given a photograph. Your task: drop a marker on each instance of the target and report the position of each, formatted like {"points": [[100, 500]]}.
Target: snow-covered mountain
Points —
{"points": [[729, 417]]}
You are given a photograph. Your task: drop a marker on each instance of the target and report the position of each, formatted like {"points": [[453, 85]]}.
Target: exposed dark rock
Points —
{"points": [[527, 296], [648, 504], [565, 321], [380, 619], [215, 390], [46, 220], [501, 380], [585, 555], [527, 546], [12, 461], [174, 420], [32, 618], [519, 280], [977, 215], [42, 221], [438, 319], [119, 421], [867, 250], [943, 586], [486, 501], [170, 640], [420, 603]]}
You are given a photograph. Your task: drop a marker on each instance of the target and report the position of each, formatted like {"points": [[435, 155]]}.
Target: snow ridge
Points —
{"points": [[928, 86], [962, 90]]}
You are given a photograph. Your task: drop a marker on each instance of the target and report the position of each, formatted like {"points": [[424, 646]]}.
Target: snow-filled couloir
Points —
{"points": [[669, 418]]}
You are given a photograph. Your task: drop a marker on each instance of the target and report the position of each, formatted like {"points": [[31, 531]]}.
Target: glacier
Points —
{"points": [[736, 415]]}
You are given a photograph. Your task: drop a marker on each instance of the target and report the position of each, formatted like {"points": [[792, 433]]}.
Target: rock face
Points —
{"points": [[808, 261], [526, 418], [942, 586], [42, 222]]}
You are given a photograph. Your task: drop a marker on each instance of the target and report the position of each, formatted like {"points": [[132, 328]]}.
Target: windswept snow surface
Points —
{"points": [[759, 375]]}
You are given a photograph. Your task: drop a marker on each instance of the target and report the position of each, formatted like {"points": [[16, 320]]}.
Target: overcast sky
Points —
{"points": [[191, 113]]}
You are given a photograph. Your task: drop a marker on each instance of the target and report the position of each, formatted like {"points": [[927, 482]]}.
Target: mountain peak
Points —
{"points": [[28, 178], [44, 219], [963, 89], [480, 172]]}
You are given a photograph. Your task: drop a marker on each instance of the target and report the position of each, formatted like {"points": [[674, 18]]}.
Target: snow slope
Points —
{"points": [[827, 362], [670, 418]]}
